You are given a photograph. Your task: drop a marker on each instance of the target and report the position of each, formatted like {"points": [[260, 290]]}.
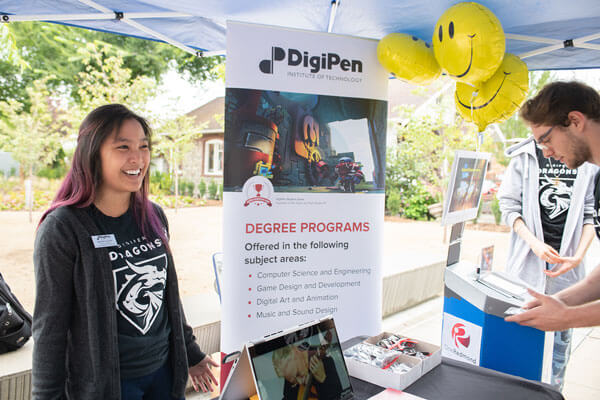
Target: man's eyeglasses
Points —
{"points": [[542, 140]]}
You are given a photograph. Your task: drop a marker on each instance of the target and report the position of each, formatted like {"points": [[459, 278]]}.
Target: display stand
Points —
{"points": [[474, 329]]}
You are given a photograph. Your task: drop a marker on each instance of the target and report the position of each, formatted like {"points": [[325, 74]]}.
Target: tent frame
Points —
{"points": [[130, 19]]}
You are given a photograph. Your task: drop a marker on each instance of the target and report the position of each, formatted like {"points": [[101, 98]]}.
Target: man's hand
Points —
{"points": [[568, 264], [317, 369], [546, 252], [546, 313], [201, 375]]}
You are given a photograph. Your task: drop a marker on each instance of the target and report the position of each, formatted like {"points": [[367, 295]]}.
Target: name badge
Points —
{"points": [[104, 240]]}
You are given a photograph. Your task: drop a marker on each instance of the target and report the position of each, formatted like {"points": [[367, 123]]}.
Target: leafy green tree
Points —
{"points": [[417, 165], [106, 79], [45, 49], [176, 138], [12, 86], [33, 137]]}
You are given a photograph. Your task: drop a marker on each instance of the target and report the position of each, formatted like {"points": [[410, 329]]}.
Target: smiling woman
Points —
{"points": [[107, 292], [124, 158]]}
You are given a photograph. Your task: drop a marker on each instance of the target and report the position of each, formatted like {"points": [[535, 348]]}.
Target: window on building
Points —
{"points": [[213, 156]]}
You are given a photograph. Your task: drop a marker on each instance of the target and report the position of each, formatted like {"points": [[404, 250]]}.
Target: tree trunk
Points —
{"points": [[29, 194], [176, 171]]}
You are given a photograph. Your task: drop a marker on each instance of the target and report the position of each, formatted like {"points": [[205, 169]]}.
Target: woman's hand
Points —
{"points": [[546, 252], [201, 375], [568, 264]]}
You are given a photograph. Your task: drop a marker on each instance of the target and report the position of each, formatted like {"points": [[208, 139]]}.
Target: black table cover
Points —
{"points": [[454, 380]]}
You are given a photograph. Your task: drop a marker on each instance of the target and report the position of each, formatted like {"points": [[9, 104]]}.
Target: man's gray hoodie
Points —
{"points": [[519, 197]]}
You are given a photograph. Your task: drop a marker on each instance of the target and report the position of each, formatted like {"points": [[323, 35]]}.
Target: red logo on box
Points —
{"points": [[459, 334]]}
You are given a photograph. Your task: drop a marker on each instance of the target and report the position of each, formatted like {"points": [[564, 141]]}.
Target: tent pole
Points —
{"points": [[143, 28], [334, 6], [87, 17], [162, 37], [590, 46], [536, 39], [543, 50], [555, 44]]}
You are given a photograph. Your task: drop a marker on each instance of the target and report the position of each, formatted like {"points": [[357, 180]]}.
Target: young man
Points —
{"points": [[565, 121], [550, 210]]}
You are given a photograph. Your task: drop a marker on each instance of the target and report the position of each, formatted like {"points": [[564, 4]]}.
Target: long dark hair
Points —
{"points": [[85, 176]]}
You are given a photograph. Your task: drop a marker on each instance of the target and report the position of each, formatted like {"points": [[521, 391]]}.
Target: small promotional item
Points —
{"points": [[391, 360], [300, 363], [486, 259]]}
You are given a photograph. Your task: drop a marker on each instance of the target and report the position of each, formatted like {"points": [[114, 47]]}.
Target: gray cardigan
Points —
{"points": [[75, 354], [519, 197]]}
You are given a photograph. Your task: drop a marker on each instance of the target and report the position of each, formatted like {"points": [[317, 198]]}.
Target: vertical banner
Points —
{"points": [[305, 126]]}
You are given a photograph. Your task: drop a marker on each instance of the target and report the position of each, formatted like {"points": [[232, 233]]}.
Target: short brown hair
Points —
{"points": [[279, 356], [552, 105]]}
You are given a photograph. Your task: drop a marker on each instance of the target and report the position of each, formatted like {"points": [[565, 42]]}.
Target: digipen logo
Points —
{"points": [[459, 334], [303, 59], [266, 66]]}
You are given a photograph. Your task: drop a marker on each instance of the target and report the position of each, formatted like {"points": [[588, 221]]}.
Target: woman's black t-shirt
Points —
{"points": [[139, 270]]}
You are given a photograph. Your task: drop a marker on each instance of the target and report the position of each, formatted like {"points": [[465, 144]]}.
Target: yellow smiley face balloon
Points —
{"points": [[408, 58], [496, 99], [469, 43]]}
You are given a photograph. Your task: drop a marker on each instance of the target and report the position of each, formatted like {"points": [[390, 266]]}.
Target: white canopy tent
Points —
{"points": [[554, 34]]}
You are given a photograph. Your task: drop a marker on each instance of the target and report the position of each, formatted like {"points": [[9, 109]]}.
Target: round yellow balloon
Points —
{"points": [[408, 58], [468, 43], [496, 99]]}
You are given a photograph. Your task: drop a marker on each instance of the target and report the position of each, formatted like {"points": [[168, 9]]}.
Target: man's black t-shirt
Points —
{"points": [[139, 270], [556, 186]]}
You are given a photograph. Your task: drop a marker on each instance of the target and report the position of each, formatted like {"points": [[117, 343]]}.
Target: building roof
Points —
{"points": [[400, 93], [207, 112]]}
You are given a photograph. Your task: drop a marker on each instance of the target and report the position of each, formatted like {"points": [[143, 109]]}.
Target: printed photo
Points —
{"points": [[487, 257], [468, 183], [304, 142]]}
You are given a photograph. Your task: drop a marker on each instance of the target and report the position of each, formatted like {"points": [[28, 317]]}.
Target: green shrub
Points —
{"points": [[416, 204], [220, 192], [186, 188], [394, 203], [496, 210], [202, 189], [164, 181], [213, 188], [53, 172], [56, 170]]}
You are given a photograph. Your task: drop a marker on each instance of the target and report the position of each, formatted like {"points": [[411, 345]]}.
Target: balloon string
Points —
{"points": [[479, 137]]}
